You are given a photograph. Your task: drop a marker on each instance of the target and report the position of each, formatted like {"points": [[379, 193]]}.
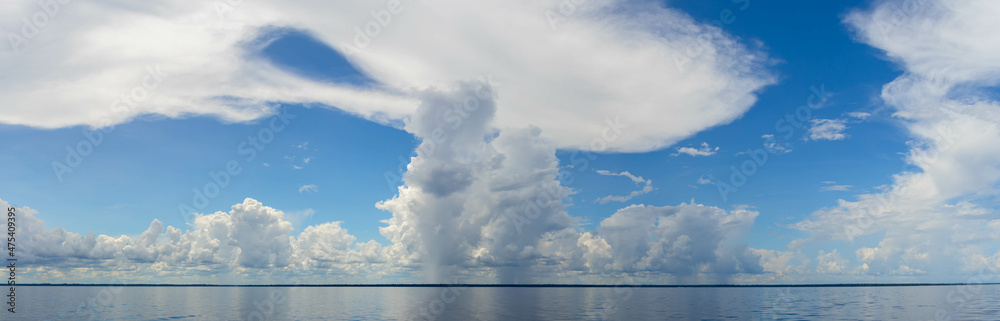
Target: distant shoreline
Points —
{"points": [[527, 285]]}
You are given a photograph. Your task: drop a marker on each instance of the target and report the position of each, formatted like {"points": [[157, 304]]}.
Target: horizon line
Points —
{"points": [[493, 285]]}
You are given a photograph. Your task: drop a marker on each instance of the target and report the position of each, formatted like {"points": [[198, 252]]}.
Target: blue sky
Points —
{"points": [[341, 155]]}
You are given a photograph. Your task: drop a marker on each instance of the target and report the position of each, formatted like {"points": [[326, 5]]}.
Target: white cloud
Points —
{"points": [[684, 239], [647, 186], [76, 68], [935, 220], [308, 188], [773, 146], [705, 180], [830, 263], [705, 150], [250, 235], [827, 129], [859, 115], [842, 188], [467, 201], [832, 186]]}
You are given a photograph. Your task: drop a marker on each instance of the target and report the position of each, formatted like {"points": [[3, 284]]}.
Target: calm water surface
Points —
{"points": [[481, 303]]}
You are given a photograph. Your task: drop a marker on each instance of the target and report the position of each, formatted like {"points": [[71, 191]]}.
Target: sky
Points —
{"points": [[597, 141]]}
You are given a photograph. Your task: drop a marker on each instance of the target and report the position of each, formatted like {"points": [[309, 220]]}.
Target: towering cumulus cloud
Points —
{"points": [[936, 216], [473, 196], [483, 190]]}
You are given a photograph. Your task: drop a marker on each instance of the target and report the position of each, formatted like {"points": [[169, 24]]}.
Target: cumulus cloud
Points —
{"points": [[468, 200], [830, 263], [684, 239], [474, 197], [705, 150], [647, 186], [935, 217], [827, 129], [250, 235], [680, 241], [181, 58]]}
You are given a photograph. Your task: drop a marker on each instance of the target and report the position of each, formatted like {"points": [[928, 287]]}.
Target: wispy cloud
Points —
{"points": [[647, 186], [859, 115], [840, 188], [308, 188], [705, 150], [773, 146]]}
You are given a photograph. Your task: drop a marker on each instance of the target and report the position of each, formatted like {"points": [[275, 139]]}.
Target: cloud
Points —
{"points": [[647, 186], [827, 129], [773, 146], [308, 188], [705, 150], [469, 201], [181, 59], [859, 115], [250, 235], [935, 219], [830, 263], [832, 186], [684, 239], [473, 198], [705, 180]]}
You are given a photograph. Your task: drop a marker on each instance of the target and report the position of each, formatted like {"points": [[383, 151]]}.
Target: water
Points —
{"points": [[522, 303]]}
